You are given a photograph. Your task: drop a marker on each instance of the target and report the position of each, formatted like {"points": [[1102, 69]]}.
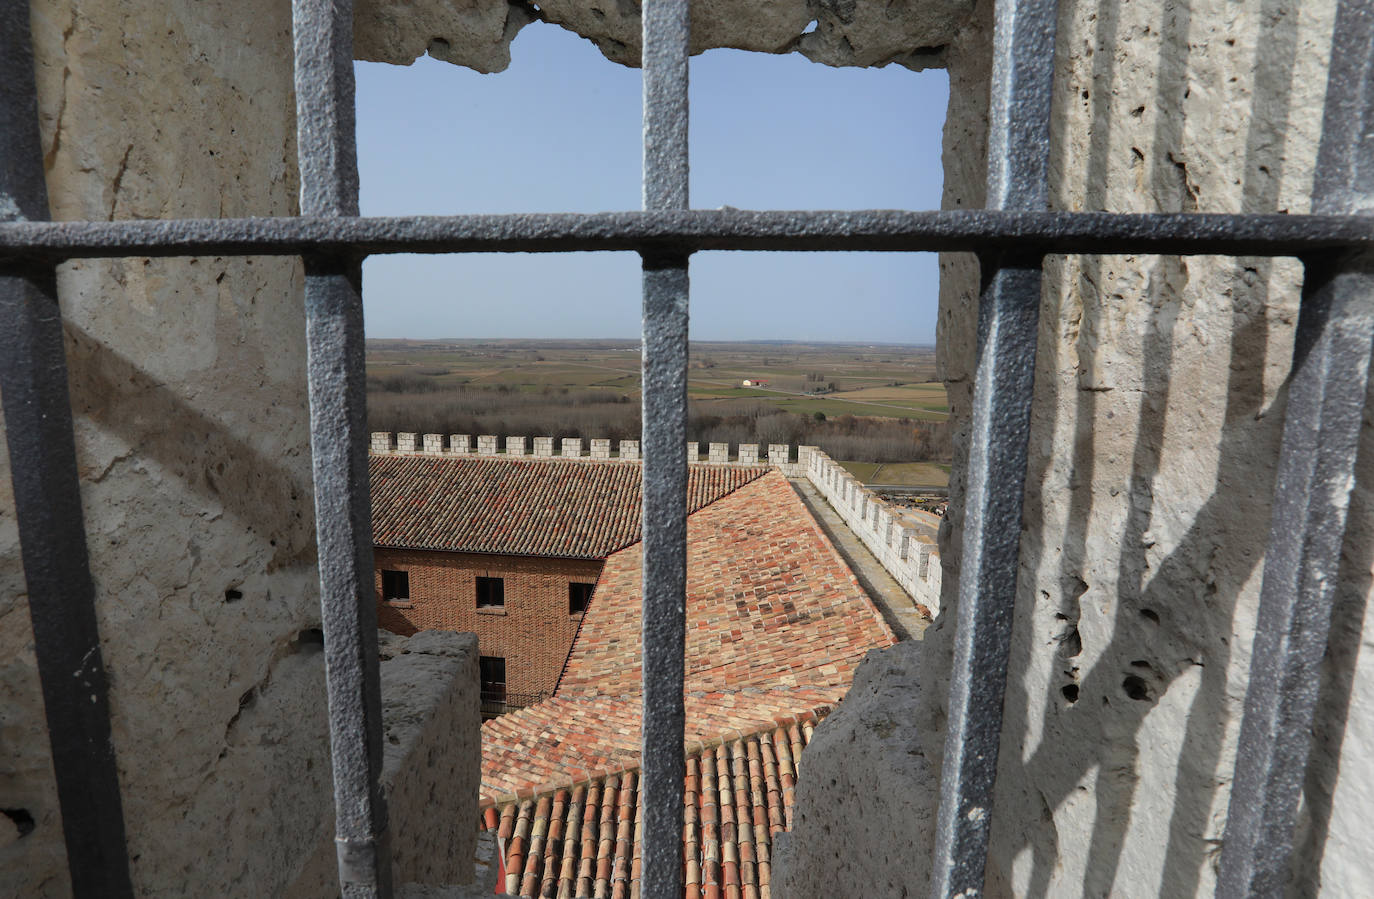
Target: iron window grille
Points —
{"points": [[1011, 237]]}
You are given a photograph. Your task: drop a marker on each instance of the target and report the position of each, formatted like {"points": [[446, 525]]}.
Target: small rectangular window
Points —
{"points": [[491, 593], [579, 597], [395, 585]]}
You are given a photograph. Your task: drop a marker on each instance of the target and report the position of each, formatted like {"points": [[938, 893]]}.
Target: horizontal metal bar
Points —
{"points": [[686, 231]]}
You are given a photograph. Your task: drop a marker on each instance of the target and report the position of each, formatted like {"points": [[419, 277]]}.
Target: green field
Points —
{"points": [[905, 474]]}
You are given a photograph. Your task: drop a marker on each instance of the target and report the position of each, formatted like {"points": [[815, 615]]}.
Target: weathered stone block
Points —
{"points": [[380, 442], [543, 447], [433, 443], [572, 447], [629, 450], [601, 449], [486, 445], [777, 453], [748, 454], [718, 453], [406, 442], [515, 446], [460, 444]]}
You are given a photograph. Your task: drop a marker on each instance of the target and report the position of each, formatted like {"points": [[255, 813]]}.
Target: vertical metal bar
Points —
{"points": [[1008, 316], [52, 533], [664, 377], [343, 526], [1326, 393]]}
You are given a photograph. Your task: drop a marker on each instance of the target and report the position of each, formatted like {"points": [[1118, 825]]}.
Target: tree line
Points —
{"points": [[422, 406]]}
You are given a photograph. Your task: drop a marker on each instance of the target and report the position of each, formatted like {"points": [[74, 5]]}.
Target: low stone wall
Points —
{"points": [[791, 460], [431, 764], [911, 557]]}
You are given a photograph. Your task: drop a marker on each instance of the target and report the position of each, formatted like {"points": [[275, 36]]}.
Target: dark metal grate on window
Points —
{"points": [[1331, 362]]}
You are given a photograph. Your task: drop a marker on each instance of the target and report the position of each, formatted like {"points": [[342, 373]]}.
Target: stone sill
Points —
{"points": [[491, 610]]}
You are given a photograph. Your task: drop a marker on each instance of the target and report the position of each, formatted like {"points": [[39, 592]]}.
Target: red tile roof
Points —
{"points": [[776, 625], [533, 507], [584, 840], [770, 603]]}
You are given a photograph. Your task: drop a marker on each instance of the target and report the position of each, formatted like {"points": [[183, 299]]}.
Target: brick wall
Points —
{"points": [[533, 632]]}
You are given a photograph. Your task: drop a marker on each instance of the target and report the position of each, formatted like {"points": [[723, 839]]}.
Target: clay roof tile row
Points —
{"points": [[584, 840], [533, 507]]}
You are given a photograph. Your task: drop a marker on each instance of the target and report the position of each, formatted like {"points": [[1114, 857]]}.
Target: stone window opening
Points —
{"points": [[1028, 854]]}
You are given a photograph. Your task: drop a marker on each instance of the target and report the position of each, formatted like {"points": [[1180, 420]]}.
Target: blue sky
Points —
{"points": [[559, 131]]}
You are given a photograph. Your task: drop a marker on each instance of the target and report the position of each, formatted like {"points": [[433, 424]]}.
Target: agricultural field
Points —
{"points": [[872, 381], [862, 403], [900, 474]]}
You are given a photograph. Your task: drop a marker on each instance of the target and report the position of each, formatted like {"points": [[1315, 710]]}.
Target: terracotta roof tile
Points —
{"points": [[533, 507], [587, 839], [776, 625]]}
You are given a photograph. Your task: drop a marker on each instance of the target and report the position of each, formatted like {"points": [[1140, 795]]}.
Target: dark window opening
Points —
{"points": [[395, 585], [493, 676], [579, 597], [491, 593]]}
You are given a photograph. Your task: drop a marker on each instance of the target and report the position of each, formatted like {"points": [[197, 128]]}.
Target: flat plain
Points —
{"points": [[895, 382]]}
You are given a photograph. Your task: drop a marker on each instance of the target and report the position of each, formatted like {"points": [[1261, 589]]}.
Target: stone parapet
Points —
{"points": [[598, 449], [874, 522], [431, 763]]}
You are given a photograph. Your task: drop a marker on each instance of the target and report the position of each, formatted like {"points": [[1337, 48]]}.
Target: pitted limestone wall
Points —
{"points": [[187, 382], [1159, 401], [907, 554]]}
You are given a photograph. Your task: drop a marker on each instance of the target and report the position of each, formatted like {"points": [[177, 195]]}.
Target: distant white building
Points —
{"points": [[754, 382]]}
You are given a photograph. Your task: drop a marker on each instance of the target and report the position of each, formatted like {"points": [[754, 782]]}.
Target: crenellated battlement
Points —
{"points": [[909, 554], [790, 459]]}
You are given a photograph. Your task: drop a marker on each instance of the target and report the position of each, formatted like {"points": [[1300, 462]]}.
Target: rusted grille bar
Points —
{"points": [[47, 495], [323, 32], [1321, 432], [1008, 313], [664, 398]]}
